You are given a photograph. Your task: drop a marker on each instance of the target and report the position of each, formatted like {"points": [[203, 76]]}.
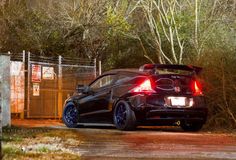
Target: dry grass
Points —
{"points": [[219, 77], [40, 143]]}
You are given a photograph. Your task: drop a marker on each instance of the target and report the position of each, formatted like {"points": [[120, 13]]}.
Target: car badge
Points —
{"points": [[177, 89]]}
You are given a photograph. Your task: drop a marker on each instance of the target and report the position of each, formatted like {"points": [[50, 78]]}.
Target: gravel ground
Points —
{"points": [[144, 143]]}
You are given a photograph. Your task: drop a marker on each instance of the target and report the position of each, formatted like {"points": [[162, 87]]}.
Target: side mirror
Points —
{"points": [[84, 89], [80, 88], [87, 90]]}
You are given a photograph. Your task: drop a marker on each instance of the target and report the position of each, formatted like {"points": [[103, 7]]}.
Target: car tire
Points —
{"points": [[70, 115], [190, 127], [124, 117]]}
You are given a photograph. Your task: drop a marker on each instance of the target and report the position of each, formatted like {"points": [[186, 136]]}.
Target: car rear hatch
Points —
{"points": [[172, 79], [174, 85]]}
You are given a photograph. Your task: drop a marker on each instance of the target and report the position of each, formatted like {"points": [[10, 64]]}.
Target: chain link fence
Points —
{"points": [[52, 80], [41, 84]]}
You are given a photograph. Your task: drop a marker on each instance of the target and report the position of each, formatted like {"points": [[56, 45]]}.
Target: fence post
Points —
{"points": [[95, 68], [22, 114], [100, 67], [28, 85], [59, 87], [23, 56], [0, 117], [5, 90]]}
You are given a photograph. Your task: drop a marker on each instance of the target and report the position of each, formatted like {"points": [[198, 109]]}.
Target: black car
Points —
{"points": [[154, 94]]}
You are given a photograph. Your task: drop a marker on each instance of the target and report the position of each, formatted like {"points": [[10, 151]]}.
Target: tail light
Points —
{"points": [[197, 88], [144, 87]]}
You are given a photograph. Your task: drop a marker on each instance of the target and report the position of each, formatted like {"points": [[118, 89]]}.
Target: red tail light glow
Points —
{"points": [[197, 89], [144, 87]]}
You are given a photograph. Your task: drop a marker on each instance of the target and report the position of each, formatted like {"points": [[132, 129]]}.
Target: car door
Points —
{"points": [[96, 103]]}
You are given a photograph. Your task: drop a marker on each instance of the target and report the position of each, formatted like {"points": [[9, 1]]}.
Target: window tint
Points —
{"points": [[102, 82], [123, 78], [172, 71]]}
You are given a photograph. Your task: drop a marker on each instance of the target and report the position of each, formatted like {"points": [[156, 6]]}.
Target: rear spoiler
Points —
{"points": [[190, 68]]}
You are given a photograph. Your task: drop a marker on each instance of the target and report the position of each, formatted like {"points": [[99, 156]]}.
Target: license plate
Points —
{"points": [[177, 101]]}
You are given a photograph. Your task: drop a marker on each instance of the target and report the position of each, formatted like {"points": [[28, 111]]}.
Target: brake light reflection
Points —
{"points": [[197, 88]]}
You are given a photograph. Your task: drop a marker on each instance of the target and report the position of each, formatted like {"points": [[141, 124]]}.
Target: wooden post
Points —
{"points": [[59, 102]]}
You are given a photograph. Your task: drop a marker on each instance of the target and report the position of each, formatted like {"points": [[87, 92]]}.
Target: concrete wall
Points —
{"points": [[5, 89]]}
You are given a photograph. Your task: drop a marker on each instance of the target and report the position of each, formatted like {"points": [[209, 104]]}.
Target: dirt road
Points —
{"points": [[155, 144], [150, 143]]}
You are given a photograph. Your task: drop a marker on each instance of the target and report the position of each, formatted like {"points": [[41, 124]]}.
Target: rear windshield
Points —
{"points": [[172, 71]]}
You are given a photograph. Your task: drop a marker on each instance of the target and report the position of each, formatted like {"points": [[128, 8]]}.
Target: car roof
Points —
{"points": [[126, 71]]}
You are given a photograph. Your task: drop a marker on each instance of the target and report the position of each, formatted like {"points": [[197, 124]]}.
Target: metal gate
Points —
{"points": [[40, 85], [17, 76], [51, 80]]}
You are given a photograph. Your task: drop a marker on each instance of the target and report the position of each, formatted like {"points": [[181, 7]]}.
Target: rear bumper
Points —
{"points": [[171, 116], [155, 111]]}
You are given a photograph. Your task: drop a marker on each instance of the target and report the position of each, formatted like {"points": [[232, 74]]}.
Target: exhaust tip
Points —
{"points": [[177, 123]]}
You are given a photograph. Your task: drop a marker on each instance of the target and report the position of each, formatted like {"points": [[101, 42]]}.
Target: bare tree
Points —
{"points": [[161, 19], [209, 14], [84, 19]]}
